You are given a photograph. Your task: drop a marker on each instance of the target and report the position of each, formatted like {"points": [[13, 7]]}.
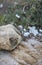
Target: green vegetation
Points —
{"points": [[33, 15]]}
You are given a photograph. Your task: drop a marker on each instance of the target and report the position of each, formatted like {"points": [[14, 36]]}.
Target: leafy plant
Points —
{"points": [[33, 15]]}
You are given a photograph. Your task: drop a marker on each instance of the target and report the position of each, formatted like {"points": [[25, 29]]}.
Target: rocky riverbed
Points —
{"points": [[26, 53]]}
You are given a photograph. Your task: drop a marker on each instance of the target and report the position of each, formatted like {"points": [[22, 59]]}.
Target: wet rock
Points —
{"points": [[40, 30], [33, 30], [9, 38], [39, 62], [26, 34], [39, 37], [27, 53], [6, 59]]}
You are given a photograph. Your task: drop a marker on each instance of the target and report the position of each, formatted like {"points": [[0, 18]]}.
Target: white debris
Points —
{"points": [[33, 27], [15, 3], [40, 30], [24, 30], [33, 30], [1, 5], [17, 16], [26, 34]]}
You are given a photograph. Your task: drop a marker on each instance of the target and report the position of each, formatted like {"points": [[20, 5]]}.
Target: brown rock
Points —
{"points": [[9, 38]]}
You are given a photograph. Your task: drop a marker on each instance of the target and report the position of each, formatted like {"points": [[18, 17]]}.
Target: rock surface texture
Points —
{"points": [[28, 52], [9, 38]]}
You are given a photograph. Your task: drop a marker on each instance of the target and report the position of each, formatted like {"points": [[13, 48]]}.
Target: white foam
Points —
{"points": [[40, 30], [33, 30], [26, 34]]}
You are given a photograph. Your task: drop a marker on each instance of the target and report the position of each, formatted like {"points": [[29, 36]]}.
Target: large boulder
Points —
{"points": [[9, 38], [28, 52]]}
